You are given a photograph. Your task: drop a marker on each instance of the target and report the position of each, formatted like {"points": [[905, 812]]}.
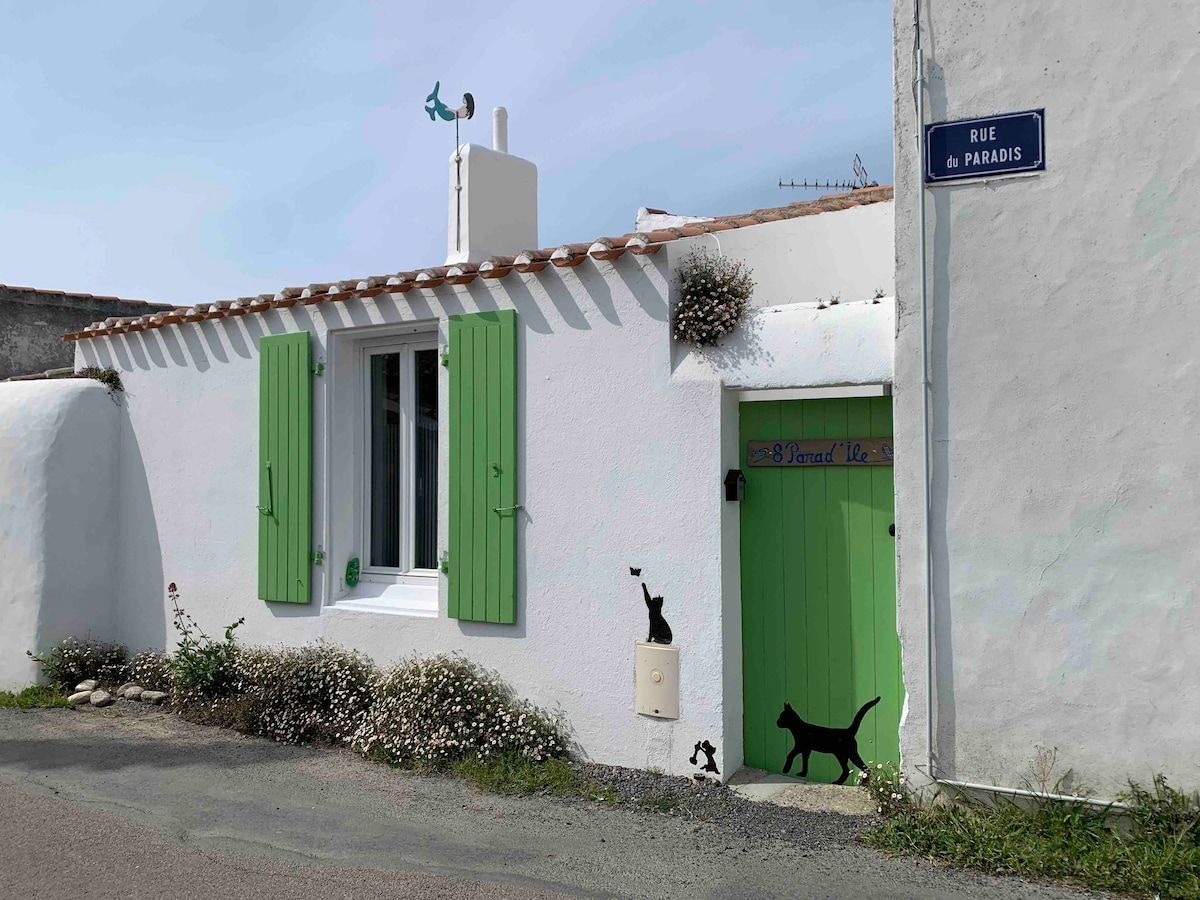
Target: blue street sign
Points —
{"points": [[990, 145]]}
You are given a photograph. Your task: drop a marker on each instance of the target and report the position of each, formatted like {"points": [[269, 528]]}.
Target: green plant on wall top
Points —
{"points": [[110, 378], [714, 295]]}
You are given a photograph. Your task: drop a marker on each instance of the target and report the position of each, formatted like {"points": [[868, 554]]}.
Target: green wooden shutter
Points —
{"points": [[284, 468], [483, 466]]}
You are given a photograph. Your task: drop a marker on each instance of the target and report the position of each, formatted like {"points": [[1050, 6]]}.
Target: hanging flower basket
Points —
{"points": [[714, 294]]}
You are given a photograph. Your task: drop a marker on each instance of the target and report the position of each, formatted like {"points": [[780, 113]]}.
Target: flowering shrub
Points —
{"points": [[714, 294], [445, 708], [150, 670], [302, 694], [885, 786], [202, 668], [75, 659]]}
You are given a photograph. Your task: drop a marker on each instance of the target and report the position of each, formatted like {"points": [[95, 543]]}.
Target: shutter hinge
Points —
{"points": [[318, 557], [318, 369], [446, 358]]}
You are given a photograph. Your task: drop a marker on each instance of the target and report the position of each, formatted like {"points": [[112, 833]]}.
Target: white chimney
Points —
{"points": [[493, 200]]}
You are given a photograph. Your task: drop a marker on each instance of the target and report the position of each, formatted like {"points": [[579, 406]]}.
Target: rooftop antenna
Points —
{"points": [[861, 180], [466, 111]]}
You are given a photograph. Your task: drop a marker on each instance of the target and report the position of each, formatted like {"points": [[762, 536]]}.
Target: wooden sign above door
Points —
{"points": [[820, 452]]}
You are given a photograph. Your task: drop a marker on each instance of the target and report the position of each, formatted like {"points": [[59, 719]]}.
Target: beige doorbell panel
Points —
{"points": [[657, 672]]}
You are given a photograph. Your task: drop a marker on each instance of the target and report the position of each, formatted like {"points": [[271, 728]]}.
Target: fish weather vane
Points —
{"points": [[466, 111]]}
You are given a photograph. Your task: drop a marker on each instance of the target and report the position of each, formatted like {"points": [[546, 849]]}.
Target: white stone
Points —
{"points": [[100, 698], [133, 692], [155, 697], [120, 692], [79, 697], [89, 685]]}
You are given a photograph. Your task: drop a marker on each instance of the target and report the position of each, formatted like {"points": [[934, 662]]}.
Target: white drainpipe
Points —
{"points": [[927, 454]]}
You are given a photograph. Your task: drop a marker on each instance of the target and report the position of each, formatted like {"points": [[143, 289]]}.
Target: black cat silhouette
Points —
{"points": [[839, 742], [660, 631], [709, 750]]}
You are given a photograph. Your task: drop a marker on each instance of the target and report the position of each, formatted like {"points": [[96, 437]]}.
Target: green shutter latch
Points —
{"points": [[446, 358], [501, 510], [445, 563], [319, 369], [268, 510], [318, 557]]}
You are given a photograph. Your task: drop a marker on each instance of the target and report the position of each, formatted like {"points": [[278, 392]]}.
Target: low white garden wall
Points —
{"points": [[58, 455]]}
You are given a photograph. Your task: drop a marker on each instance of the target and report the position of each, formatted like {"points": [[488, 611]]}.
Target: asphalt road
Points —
{"points": [[100, 805]]}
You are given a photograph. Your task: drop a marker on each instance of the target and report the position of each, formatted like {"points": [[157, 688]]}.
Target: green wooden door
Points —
{"points": [[819, 587]]}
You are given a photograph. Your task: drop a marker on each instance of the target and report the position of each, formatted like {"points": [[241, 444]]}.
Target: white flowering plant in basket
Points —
{"points": [[714, 295]]}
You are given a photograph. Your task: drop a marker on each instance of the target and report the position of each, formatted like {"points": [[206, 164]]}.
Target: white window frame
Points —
{"points": [[406, 346]]}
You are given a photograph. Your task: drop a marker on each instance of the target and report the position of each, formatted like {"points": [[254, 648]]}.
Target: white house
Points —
{"points": [[1063, 314], [500, 451]]}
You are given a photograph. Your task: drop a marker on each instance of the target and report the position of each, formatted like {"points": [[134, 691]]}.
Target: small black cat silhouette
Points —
{"points": [[839, 742], [660, 631], [709, 750]]}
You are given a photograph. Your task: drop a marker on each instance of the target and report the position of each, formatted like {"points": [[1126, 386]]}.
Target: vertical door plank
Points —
{"points": [[862, 581], [841, 673], [890, 680], [757, 421], [794, 624], [816, 555]]}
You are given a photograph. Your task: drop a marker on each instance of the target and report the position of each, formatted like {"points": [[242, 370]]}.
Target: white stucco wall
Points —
{"points": [[58, 489], [802, 345], [848, 254], [1066, 500], [622, 450]]}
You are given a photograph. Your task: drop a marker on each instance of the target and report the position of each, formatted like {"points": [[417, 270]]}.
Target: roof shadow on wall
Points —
{"points": [[526, 306], [647, 294]]}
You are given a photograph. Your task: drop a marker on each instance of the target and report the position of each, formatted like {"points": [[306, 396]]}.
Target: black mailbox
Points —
{"points": [[735, 485]]}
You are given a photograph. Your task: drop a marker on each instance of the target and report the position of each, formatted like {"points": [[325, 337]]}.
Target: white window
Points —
{"points": [[400, 494]]}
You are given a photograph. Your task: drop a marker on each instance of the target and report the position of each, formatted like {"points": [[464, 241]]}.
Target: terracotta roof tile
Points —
{"points": [[528, 261]]}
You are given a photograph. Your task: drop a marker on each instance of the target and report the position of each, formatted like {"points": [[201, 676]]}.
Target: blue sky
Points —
{"points": [[183, 152]]}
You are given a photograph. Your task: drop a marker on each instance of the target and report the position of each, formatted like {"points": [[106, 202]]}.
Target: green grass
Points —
{"points": [[1155, 850], [35, 696], [512, 774]]}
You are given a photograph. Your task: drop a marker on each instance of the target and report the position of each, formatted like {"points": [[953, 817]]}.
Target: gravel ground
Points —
{"points": [[133, 802], [711, 802]]}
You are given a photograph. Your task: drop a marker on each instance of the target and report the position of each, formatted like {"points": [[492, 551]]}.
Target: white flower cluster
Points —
{"points": [[446, 707], [151, 670], [75, 659], [297, 695], [886, 787], [714, 294]]}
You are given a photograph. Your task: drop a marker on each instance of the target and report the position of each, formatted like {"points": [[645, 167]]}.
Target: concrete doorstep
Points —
{"points": [[768, 787]]}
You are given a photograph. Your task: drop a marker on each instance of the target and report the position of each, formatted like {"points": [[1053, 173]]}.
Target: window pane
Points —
{"points": [[425, 462], [385, 460]]}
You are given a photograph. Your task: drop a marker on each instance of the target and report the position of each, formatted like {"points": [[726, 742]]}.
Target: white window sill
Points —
{"points": [[419, 600]]}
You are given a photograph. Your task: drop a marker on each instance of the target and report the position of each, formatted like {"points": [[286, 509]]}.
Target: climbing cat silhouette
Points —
{"points": [[660, 631], [841, 743], [708, 749]]}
